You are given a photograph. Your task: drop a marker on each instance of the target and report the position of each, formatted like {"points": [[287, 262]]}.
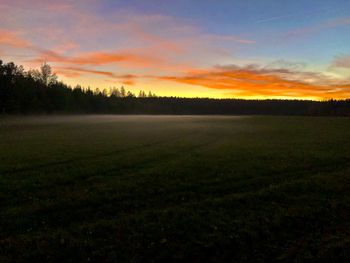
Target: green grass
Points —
{"points": [[169, 189]]}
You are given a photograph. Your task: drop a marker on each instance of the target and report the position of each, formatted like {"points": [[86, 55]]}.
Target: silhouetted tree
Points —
{"points": [[142, 94], [40, 92], [105, 92], [45, 75], [129, 94], [122, 92]]}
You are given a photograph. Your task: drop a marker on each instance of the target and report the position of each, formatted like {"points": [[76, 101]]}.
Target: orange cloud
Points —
{"points": [[11, 39], [78, 71], [261, 82], [74, 72], [97, 58], [151, 43]]}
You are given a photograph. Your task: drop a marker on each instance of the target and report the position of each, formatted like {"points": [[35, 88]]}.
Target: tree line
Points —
{"points": [[40, 92]]}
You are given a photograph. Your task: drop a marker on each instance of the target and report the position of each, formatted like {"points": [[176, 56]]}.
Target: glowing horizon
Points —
{"points": [[219, 49]]}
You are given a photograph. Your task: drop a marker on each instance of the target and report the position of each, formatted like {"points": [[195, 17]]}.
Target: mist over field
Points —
{"points": [[100, 118], [175, 131], [174, 188]]}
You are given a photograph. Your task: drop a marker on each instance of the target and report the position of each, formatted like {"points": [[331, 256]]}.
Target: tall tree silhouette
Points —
{"points": [[122, 92], [38, 91], [45, 75]]}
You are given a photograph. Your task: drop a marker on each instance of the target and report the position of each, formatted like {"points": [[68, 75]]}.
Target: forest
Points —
{"points": [[40, 92]]}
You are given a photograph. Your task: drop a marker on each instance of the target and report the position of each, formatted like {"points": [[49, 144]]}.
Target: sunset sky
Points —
{"points": [[188, 48]]}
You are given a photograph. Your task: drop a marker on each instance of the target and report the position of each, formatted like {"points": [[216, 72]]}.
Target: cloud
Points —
{"points": [[254, 80], [83, 44], [12, 39], [342, 61], [57, 6], [95, 58], [345, 21], [300, 13], [66, 46], [53, 24], [229, 38], [78, 71], [112, 77]]}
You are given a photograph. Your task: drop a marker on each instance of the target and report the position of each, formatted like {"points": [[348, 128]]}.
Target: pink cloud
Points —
{"points": [[319, 27], [74, 72], [342, 61], [96, 58], [230, 38], [11, 39]]}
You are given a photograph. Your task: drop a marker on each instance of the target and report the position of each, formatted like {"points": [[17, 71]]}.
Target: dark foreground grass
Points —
{"points": [[169, 189]]}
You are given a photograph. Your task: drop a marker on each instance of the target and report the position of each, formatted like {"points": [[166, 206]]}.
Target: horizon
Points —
{"points": [[239, 50]]}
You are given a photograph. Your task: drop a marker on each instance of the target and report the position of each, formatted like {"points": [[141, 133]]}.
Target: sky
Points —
{"points": [[187, 48]]}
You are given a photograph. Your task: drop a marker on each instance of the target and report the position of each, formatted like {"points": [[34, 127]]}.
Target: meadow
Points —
{"points": [[174, 188]]}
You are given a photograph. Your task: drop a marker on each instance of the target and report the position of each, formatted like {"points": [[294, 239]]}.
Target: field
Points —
{"points": [[177, 188]]}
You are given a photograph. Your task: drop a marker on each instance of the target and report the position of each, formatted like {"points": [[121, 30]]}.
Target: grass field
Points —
{"points": [[169, 189]]}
